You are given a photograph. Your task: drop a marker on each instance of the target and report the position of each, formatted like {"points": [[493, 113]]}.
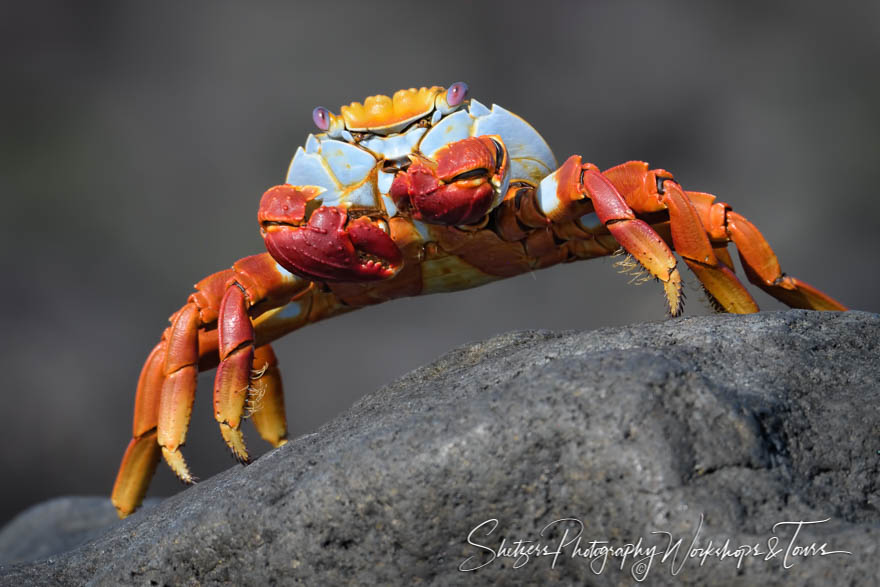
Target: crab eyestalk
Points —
{"points": [[467, 181], [328, 122], [322, 243], [452, 98]]}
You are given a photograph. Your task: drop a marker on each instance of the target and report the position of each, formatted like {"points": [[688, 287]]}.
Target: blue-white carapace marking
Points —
{"points": [[342, 169], [394, 147], [346, 170], [350, 164], [454, 127], [530, 157], [548, 200]]}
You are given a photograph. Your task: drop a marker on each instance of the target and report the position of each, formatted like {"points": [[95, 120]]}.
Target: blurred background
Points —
{"points": [[137, 139]]}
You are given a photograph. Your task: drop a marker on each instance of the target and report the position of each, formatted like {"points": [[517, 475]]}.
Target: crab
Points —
{"points": [[422, 192]]}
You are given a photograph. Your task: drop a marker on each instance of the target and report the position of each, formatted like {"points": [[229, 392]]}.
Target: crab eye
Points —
{"points": [[321, 118], [456, 93]]}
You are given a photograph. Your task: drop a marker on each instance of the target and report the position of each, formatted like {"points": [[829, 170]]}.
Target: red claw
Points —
{"points": [[329, 247], [458, 189], [371, 239], [284, 204]]}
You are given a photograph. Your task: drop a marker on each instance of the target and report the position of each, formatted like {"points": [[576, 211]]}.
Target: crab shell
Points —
{"points": [[357, 173]]}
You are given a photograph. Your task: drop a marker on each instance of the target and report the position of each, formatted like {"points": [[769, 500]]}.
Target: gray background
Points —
{"points": [[137, 139]]}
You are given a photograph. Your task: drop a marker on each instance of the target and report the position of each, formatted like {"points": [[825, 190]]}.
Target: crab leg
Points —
{"points": [[561, 196], [167, 384], [691, 242], [142, 455], [233, 374], [762, 268], [635, 236], [655, 190], [701, 229], [179, 388], [267, 406]]}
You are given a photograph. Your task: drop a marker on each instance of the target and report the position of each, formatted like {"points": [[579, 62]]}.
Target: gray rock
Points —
{"points": [[741, 421], [56, 526]]}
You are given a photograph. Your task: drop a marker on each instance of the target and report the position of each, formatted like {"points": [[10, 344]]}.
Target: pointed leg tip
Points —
{"points": [[123, 511], [240, 454], [676, 307], [175, 460], [674, 294], [235, 441]]}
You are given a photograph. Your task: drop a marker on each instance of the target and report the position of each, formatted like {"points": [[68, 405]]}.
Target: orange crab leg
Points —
{"points": [[634, 235], [257, 286], [179, 388], [142, 455], [701, 229], [267, 411], [691, 242], [562, 199], [762, 269], [167, 384], [233, 374], [654, 190]]}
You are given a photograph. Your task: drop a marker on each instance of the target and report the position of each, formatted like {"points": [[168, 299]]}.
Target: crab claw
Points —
{"points": [[330, 246], [460, 188]]}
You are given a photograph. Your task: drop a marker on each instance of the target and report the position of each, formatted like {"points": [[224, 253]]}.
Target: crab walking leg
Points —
{"points": [[568, 193], [635, 236], [254, 285], [142, 455], [267, 407], [258, 287], [762, 269], [691, 242], [167, 383], [179, 388], [701, 226], [144, 451], [233, 374], [239, 337], [655, 190]]}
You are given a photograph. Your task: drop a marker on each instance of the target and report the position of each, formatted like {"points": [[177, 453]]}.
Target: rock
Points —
{"points": [[720, 426], [56, 526]]}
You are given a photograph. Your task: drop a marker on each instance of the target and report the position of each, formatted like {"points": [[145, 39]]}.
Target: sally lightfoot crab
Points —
{"points": [[422, 192]]}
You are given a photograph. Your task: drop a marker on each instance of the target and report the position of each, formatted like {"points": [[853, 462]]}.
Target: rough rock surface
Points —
{"points": [[56, 526], [744, 421]]}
